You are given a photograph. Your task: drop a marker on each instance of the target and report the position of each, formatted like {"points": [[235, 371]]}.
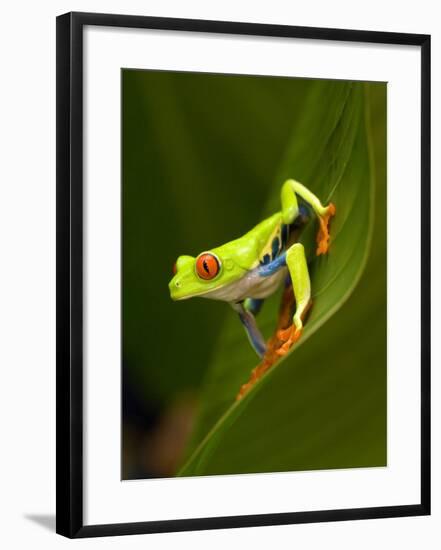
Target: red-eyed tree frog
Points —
{"points": [[247, 270]]}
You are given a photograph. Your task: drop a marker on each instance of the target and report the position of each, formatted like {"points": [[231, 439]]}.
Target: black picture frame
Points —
{"points": [[69, 292]]}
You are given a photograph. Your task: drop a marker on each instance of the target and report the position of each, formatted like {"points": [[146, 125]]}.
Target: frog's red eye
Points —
{"points": [[207, 266], [174, 269]]}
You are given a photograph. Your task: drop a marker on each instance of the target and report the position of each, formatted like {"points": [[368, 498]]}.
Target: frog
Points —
{"points": [[249, 269]]}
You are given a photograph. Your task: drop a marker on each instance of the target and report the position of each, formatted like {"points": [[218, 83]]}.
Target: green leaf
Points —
{"points": [[322, 405]]}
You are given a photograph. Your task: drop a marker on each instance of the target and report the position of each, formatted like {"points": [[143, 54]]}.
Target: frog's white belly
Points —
{"points": [[252, 285]]}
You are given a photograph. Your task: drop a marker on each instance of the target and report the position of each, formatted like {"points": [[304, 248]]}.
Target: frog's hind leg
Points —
{"points": [[301, 285], [253, 305], [284, 320], [287, 306], [249, 322], [290, 210]]}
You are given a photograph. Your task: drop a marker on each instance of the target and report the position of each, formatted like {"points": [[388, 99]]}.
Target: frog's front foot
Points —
{"points": [[289, 337], [323, 232]]}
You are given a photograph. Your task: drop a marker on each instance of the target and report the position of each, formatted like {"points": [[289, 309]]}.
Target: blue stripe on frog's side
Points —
{"points": [[280, 240], [270, 264], [268, 269]]}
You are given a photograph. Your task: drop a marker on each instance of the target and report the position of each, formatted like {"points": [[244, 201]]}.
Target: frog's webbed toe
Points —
{"points": [[323, 232], [289, 337]]}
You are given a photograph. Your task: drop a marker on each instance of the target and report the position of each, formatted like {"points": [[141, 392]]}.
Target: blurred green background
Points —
{"points": [[204, 157]]}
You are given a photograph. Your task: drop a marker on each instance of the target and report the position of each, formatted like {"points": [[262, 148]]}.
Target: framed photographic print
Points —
{"points": [[243, 308]]}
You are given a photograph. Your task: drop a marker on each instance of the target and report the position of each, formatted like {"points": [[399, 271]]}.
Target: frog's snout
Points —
{"points": [[174, 287], [178, 288], [181, 283]]}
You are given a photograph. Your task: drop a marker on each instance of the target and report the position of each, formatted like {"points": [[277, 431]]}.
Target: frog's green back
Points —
{"points": [[250, 249]]}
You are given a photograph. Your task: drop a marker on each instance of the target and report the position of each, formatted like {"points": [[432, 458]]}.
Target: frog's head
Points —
{"points": [[201, 275]]}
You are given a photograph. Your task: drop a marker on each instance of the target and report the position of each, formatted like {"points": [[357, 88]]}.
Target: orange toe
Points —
{"points": [[283, 350], [323, 232], [283, 334], [289, 337]]}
